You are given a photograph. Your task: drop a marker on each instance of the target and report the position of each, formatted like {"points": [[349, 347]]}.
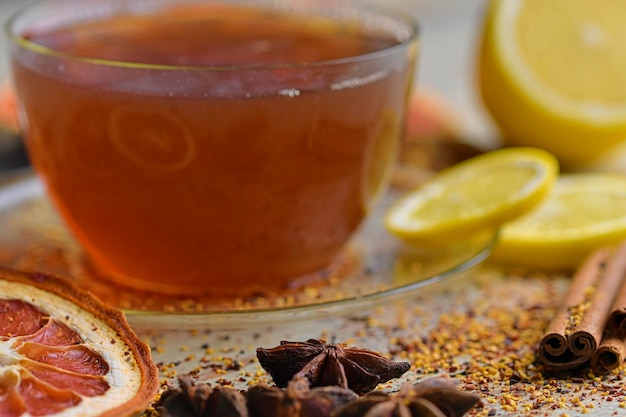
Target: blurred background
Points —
{"points": [[13, 158], [449, 34]]}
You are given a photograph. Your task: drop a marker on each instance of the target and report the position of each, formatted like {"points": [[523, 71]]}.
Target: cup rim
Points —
{"points": [[410, 24]]}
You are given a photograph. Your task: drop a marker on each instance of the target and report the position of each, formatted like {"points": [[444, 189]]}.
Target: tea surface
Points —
{"points": [[215, 35]]}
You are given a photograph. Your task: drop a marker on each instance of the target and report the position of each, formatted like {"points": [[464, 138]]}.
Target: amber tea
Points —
{"points": [[212, 147]]}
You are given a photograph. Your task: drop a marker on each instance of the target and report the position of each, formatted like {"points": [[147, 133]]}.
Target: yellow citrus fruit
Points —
{"points": [[476, 195], [62, 352], [583, 212], [553, 75]]}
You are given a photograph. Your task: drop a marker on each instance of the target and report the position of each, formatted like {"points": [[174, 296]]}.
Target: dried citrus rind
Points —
{"points": [[62, 350]]}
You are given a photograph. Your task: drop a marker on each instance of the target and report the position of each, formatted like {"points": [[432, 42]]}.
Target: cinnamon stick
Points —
{"points": [[573, 336], [596, 317], [612, 350], [610, 353], [617, 317]]}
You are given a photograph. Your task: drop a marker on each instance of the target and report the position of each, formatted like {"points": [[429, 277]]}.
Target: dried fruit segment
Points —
{"points": [[61, 350], [83, 384], [53, 333], [41, 399], [19, 319], [80, 358]]}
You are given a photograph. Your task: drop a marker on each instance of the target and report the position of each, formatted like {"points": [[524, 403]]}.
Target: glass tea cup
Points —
{"points": [[211, 146]]}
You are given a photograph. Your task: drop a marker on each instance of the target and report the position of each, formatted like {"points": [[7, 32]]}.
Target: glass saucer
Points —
{"points": [[375, 268]]}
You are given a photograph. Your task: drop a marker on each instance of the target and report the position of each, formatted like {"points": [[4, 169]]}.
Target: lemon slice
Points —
{"points": [[553, 75], [473, 196], [583, 211], [153, 138]]}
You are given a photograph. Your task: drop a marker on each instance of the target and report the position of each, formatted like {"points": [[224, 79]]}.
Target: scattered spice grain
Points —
{"points": [[486, 336]]}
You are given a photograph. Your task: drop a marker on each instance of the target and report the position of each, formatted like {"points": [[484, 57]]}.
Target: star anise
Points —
{"points": [[322, 364], [202, 400], [436, 397], [297, 400]]}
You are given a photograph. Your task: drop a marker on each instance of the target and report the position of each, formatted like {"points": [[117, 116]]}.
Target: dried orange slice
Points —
{"points": [[63, 351]]}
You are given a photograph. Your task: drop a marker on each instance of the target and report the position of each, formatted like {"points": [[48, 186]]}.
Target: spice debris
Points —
{"points": [[483, 334]]}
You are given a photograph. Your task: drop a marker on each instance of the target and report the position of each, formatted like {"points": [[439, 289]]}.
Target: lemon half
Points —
{"points": [[553, 75]]}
